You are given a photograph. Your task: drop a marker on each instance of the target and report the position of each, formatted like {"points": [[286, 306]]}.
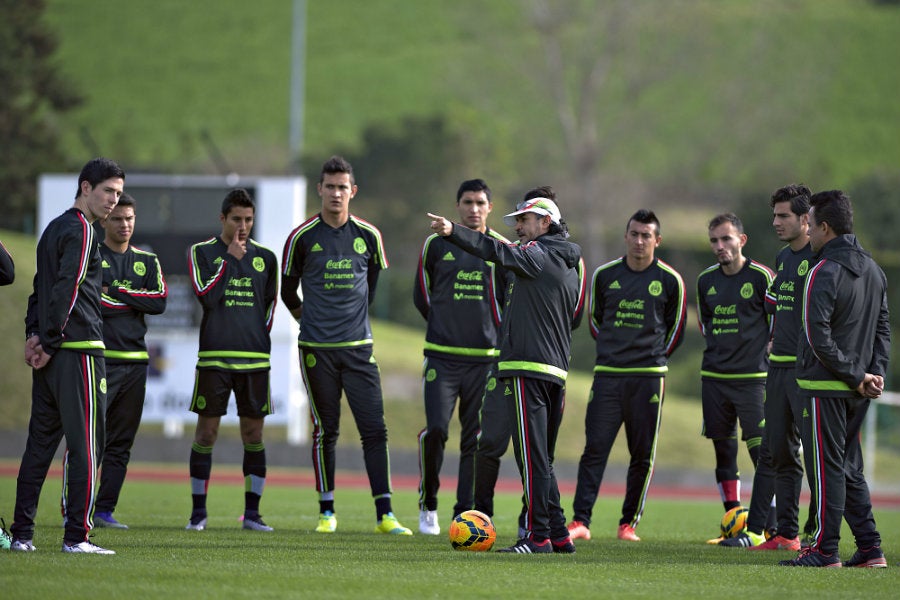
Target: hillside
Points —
{"points": [[750, 93]]}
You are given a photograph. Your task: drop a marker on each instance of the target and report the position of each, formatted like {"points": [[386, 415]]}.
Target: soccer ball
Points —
{"points": [[734, 521], [472, 530]]}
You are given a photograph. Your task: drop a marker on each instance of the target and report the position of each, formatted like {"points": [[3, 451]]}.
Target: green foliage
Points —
{"points": [[157, 558], [35, 96]]}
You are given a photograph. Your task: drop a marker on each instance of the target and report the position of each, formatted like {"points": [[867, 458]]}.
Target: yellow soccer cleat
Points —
{"points": [[390, 525], [327, 522]]}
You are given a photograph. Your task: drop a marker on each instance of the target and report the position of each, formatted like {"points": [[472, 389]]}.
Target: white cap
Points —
{"points": [[540, 206]]}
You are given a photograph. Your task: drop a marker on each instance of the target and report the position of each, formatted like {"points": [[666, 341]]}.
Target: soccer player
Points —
{"points": [[460, 296], [133, 286], [7, 267], [236, 282], [842, 359], [731, 297], [64, 346], [336, 258], [780, 449], [544, 306], [638, 312]]}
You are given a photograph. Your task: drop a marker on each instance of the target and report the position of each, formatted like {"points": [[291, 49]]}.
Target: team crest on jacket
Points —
{"points": [[802, 268], [430, 375], [747, 290], [140, 268], [491, 384], [310, 360], [359, 245], [655, 287], [103, 384], [259, 263]]}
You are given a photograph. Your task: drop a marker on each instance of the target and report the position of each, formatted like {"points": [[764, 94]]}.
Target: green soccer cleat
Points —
{"points": [[5, 537], [390, 525], [327, 522], [745, 539]]}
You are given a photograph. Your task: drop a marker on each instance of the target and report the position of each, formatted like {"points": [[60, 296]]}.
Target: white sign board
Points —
{"points": [[174, 212]]}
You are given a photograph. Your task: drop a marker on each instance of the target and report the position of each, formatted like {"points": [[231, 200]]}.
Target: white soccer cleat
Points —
{"points": [[22, 546], [428, 522], [85, 548]]}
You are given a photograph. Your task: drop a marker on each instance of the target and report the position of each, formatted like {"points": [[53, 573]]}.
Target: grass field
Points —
{"points": [[157, 558]]}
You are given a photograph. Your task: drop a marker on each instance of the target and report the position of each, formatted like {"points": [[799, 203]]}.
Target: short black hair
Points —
{"points": [[127, 199], [237, 197], [646, 217], [833, 207], [473, 185], [98, 170], [337, 164], [797, 194], [544, 191]]}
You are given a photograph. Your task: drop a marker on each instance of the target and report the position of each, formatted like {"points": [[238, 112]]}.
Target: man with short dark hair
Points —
{"points": [[336, 258], [779, 472], [460, 296], [64, 346], [731, 297], [133, 286], [236, 282], [638, 312], [545, 304], [842, 359]]}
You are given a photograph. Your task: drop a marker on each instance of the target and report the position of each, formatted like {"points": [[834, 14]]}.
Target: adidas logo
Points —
{"points": [[218, 260], [805, 414], [507, 391], [654, 399], [615, 285], [316, 248], [449, 256], [781, 267], [105, 264], [711, 291]]}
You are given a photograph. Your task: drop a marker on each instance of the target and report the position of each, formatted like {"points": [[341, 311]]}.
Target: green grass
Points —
{"points": [[157, 558], [742, 94]]}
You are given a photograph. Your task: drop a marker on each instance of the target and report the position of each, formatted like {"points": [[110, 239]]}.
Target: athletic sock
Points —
{"points": [[254, 475], [383, 505], [200, 467]]}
